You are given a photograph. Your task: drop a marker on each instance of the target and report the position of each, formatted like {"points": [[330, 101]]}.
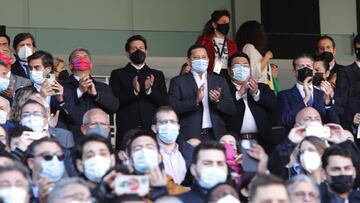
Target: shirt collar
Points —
{"points": [[195, 74], [137, 67], [163, 149], [301, 87], [358, 63]]}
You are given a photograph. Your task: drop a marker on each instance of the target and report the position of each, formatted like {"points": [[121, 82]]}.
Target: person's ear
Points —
{"points": [[189, 62], [83, 129], [80, 165], [334, 52], [30, 163], [112, 158], [159, 158], [214, 25], [193, 170], [153, 128], [128, 54]]}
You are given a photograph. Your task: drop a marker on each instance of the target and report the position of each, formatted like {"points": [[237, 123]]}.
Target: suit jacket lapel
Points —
{"points": [[191, 82], [296, 93]]}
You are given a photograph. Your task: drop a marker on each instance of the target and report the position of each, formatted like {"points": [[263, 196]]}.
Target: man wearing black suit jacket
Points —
{"points": [[255, 102], [82, 93], [24, 45], [201, 100], [139, 88]]}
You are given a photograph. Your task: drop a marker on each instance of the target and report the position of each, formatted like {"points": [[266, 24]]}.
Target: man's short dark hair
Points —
{"points": [[138, 134], [134, 38], [301, 55], [327, 37], [162, 109], [325, 62], [17, 131], [21, 37], [335, 150], [356, 40], [6, 36], [264, 180], [46, 58], [30, 151], [91, 138], [237, 54], [17, 166], [195, 46], [207, 145]]}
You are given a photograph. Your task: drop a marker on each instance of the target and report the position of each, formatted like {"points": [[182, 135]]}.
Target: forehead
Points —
{"points": [[304, 186], [304, 60], [35, 62], [325, 42], [271, 193], [12, 176], [211, 155], [98, 116], [241, 60], [94, 146], [81, 54], [3, 39], [339, 161], [143, 141], [77, 188], [136, 43], [307, 145], [166, 114], [318, 64], [198, 52], [47, 147], [223, 19], [32, 107]]}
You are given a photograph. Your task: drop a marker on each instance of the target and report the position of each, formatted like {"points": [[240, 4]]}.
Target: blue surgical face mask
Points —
{"points": [[211, 176], [241, 72], [37, 77], [168, 133], [4, 84], [100, 130], [144, 160], [36, 123], [53, 169], [199, 65]]}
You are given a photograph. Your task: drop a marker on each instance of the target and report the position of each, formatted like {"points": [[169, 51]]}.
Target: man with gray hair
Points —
{"points": [[82, 92], [70, 190], [302, 188], [96, 121]]}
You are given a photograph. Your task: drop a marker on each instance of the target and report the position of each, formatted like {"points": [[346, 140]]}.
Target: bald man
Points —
{"points": [[96, 121], [306, 116]]}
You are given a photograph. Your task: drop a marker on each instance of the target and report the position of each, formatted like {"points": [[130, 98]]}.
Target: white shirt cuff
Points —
{"points": [[148, 91], [79, 93], [256, 97]]}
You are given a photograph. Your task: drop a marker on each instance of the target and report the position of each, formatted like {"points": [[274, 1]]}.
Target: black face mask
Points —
{"points": [[318, 78], [138, 57], [223, 28], [341, 184], [327, 56], [357, 52], [304, 73], [63, 75]]}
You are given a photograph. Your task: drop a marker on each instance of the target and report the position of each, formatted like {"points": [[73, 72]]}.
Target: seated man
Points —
{"points": [[70, 190], [176, 153], [14, 184], [255, 103], [303, 94], [208, 168], [96, 121], [201, 100], [268, 188]]}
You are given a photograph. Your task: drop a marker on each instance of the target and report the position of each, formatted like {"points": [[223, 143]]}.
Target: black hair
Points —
{"points": [[327, 37], [21, 37], [356, 40], [215, 16], [301, 55], [194, 46], [6, 36], [207, 145], [264, 180], [138, 134], [133, 38], [30, 151], [162, 109], [91, 138], [46, 58], [252, 32], [17, 131], [335, 150], [324, 61], [237, 54]]}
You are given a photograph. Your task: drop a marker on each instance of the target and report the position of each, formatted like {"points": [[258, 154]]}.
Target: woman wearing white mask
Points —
{"points": [[24, 45], [311, 149]]}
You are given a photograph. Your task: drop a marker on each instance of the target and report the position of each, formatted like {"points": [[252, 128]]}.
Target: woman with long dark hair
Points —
{"points": [[217, 45], [252, 40]]}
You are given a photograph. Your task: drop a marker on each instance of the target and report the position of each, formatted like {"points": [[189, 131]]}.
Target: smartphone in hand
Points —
{"points": [[249, 164]]}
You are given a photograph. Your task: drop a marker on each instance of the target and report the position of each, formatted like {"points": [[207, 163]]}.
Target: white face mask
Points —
{"points": [[3, 116], [144, 160], [228, 199], [310, 161], [96, 167], [36, 123], [13, 194], [211, 176], [37, 77], [24, 52]]}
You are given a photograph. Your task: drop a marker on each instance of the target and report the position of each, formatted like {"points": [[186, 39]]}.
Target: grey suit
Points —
{"points": [[182, 97], [19, 81]]}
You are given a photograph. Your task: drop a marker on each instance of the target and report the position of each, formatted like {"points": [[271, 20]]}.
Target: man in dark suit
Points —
{"points": [[82, 93], [303, 94], [140, 89], [24, 45], [201, 100], [255, 102]]}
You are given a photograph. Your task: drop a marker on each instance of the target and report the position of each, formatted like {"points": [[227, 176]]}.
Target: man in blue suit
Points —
{"points": [[304, 94]]}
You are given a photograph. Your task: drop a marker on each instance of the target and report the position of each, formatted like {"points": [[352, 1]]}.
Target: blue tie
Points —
{"points": [[311, 101], [27, 71]]}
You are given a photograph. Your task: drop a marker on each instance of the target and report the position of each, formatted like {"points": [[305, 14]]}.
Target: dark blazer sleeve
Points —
{"points": [[106, 99], [125, 95], [226, 103], [158, 90], [176, 99], [287, 111], [267, 98]]}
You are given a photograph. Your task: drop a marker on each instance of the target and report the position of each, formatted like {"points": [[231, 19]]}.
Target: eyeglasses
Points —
{"points": [[36, 114], [163, 122], [48, 157], [302, 195]]}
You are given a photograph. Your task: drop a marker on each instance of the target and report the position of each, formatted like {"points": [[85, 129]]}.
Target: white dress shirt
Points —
{"points": [[206, 121], [249, 124], [300, 87], [174, 163]]}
